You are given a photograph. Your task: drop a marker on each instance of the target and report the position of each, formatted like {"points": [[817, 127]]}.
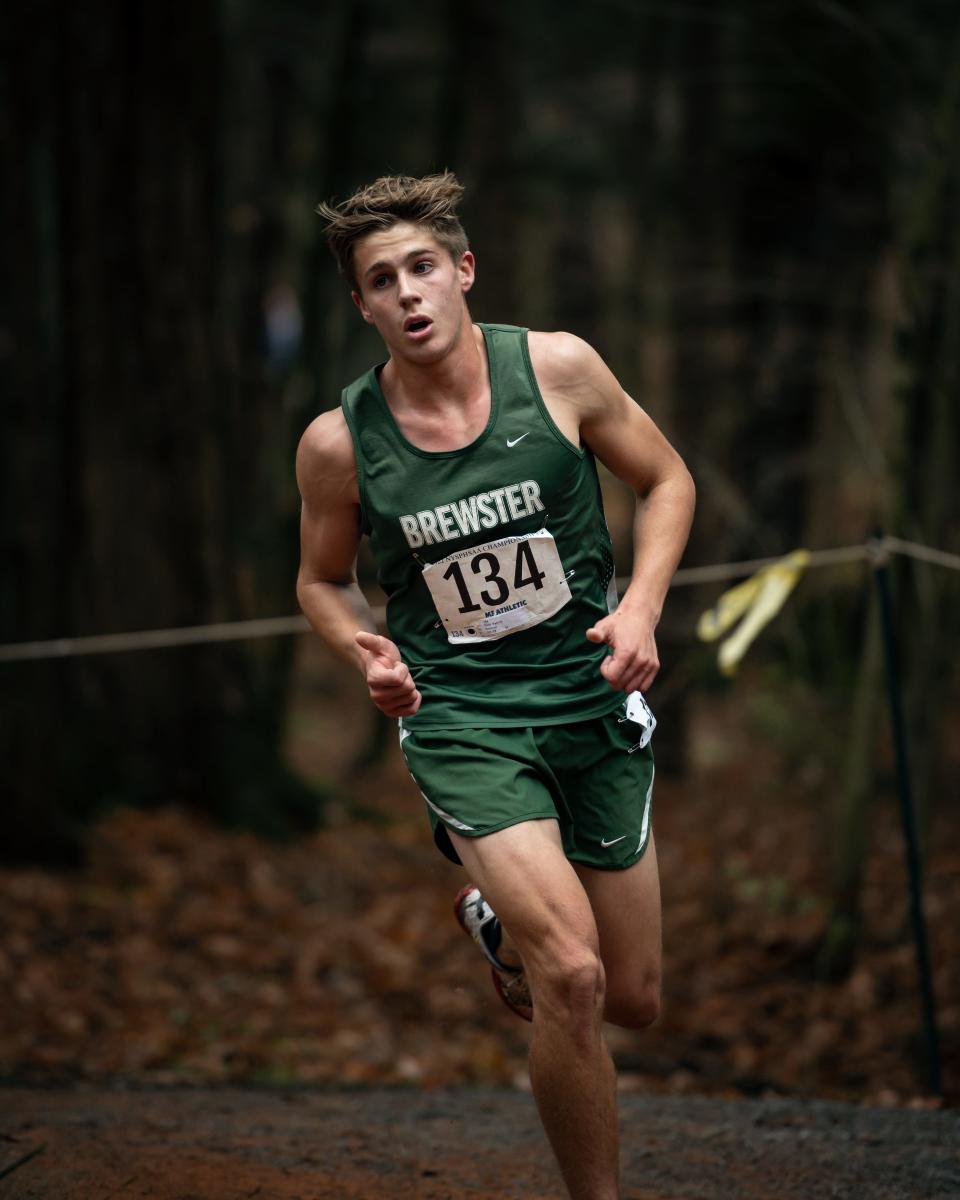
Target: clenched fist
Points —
{"points": [[389, 680], [634, 663]]}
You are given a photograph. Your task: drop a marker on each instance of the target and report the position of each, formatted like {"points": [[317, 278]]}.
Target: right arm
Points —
{"points": [[327, 586]]}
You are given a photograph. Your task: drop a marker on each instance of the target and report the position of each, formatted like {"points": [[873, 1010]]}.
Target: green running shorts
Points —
{"points": [[592, 777]]}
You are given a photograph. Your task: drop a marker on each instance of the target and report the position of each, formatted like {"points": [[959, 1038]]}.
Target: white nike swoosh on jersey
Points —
{"points": [[604, 843], [519, 439]]}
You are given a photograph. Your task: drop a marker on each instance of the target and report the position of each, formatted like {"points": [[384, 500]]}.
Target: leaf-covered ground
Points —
{"points": [[185, 953]]}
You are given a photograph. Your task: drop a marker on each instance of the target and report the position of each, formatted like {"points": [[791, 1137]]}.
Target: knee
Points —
{"points": [[636, 1008], [571, 986]]}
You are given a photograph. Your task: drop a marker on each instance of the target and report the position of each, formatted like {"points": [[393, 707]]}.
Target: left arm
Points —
{"points": [[584, 396]]}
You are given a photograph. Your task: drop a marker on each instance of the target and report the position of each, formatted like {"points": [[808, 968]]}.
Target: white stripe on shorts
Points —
{"points": [[646, 810], [445, 815]]}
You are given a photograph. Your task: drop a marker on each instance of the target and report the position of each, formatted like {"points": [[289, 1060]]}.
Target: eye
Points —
{"points": [[424, 266], [380, 281]]}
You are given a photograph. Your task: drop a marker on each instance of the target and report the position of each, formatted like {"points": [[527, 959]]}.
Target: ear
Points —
{"points": [[467, 271], [364, 311]]}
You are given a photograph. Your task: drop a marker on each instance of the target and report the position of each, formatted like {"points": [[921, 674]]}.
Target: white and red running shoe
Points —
{"points": [[478, 919]]}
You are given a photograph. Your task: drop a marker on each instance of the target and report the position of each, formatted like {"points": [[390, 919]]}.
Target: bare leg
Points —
{"points": [[626, 907], [524, 875]]}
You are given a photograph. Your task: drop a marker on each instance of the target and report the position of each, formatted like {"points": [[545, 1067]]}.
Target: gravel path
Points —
{"points": [[95, 1143]]}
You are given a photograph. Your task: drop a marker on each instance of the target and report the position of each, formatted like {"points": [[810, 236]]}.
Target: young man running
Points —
{"points": [[467, 458]]}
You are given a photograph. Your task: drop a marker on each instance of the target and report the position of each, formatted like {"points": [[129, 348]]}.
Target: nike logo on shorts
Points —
{"points": [[515, 440], [613, 841]]}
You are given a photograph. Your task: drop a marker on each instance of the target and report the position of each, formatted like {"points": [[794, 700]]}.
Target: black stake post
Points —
{"points": [[880, 558]]}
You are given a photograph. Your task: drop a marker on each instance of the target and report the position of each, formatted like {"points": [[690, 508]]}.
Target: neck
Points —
{"points": [[452, 381]]}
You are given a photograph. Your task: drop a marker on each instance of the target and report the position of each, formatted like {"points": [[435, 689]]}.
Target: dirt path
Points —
{"points": [[219, 1144]]}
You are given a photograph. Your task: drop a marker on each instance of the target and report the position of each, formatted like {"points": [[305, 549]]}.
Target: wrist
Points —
{"points": [[639, 607], [360, 657]]}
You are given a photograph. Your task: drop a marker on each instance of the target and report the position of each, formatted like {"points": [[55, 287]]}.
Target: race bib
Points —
{"points": [[638, 711], [499, 588]]}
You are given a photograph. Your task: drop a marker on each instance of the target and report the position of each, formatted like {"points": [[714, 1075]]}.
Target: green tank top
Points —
{"points": [[495, 558]]}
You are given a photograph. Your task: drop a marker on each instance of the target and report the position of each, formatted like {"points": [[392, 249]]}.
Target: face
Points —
{"points": [[412, 291]]}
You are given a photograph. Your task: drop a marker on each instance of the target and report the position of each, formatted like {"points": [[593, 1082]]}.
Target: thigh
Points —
{"points": [[626, 908], [523, 873]]}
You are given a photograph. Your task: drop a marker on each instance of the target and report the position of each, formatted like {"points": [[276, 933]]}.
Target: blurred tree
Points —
{"points": [[137, 470], [720, 198], [812, 161], [930, 348], [911, 435]]}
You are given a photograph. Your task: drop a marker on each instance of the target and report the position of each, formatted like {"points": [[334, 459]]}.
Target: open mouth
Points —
{"points": [[418, 325]]}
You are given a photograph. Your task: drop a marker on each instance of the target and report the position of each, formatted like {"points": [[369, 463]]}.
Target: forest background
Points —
{"points": [[751, 210]]}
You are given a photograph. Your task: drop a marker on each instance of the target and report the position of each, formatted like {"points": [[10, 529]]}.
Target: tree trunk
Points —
{"points": [[851, 805], [135, 500], [929, 615]]}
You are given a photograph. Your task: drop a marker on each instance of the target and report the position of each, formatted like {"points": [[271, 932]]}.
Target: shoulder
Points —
{"points": [[560, 356], [565, 364], [325, 457]]}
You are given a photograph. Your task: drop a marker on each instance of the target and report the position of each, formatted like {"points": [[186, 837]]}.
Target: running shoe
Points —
{"points": [[478, 919]]}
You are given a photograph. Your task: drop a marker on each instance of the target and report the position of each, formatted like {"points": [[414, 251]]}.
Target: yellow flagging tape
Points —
{"points": [[757, 601]]}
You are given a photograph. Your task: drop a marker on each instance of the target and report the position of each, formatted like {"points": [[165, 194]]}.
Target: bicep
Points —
{"points": [[615, 428], [627, 441], [329, 538], [330, 512]]}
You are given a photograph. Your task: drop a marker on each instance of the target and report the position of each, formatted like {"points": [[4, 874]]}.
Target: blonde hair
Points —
{"points": [[430, 201]]}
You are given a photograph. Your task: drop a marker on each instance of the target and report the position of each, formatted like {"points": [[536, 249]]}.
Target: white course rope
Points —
{"points": [[720, 572], [154, 639], [940, 558], [236, 631]]}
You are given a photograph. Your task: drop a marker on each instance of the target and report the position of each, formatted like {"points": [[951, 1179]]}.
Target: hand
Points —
{"points": [[634, 664], [389, 680]]}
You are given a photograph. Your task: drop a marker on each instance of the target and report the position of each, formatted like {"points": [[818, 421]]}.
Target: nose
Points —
{"points": [[407, 290]]}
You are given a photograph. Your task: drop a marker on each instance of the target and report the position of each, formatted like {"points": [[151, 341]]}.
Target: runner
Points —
{"points": [[468, 459]]}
